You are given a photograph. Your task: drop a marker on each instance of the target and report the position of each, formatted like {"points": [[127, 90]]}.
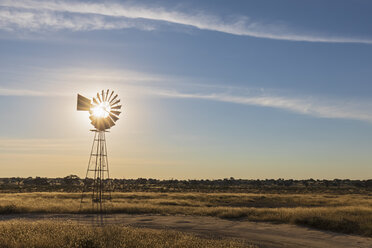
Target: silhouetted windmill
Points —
{"points": [[104, 110]]}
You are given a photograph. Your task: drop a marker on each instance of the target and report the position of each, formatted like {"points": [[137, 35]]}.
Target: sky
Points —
{"points": [[210, 89]]}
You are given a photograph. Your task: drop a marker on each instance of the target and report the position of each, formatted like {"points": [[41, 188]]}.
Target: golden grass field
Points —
{"points": [[350, 213], [51, 234]]}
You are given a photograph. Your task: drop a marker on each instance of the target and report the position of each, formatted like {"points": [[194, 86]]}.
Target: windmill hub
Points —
{"points": [[102, 110]]}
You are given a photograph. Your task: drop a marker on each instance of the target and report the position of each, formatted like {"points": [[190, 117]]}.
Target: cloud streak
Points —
{"points": [[335, 109], [52, 82], [310, 106], [23, 92], [77, 16]]}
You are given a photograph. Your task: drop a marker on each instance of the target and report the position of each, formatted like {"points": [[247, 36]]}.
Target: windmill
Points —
{"points": [[104, 110]]}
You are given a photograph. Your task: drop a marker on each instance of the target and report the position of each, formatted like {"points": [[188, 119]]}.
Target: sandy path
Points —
{"points": [[262, 234]]}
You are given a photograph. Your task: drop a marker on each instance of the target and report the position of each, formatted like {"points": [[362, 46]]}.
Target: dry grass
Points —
{"points": [[340, 213], [45, 234]]}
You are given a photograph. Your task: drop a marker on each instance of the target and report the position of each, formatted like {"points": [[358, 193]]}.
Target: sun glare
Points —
{"points": [[102, 110]]}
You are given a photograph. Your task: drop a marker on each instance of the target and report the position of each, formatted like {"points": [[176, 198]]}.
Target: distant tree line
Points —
{"points": [[73, 183]]}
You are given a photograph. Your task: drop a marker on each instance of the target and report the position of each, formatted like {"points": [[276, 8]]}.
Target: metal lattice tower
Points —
{"points": [[97, 179]]}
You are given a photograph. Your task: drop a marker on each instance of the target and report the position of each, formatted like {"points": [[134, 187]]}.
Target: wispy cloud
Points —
{"points": [[167, 87], [45, 20], [46, 81], [313, 106], [74, 15], [27, 92]]}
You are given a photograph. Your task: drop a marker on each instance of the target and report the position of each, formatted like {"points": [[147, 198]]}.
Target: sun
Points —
{"points": [[101, 110]]}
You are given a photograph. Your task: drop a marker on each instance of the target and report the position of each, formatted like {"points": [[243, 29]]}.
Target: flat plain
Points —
{"points": [[339, 213], [187, 213]]}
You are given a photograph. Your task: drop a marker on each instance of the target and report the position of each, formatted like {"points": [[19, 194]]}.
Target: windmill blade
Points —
{"points": [[116, 107], [92, 117], [94, 123], [99, 98], [112, 123], [103, 96], [110, 96], [114, 98], [115, 118], [95, 101], [106, 97], [116, 112], [109, 122], [100, 124], [115, 102], [106, 122], [83, 103]]}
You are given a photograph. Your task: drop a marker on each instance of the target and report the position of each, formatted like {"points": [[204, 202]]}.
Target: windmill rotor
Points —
{"points": [[104, 109]]}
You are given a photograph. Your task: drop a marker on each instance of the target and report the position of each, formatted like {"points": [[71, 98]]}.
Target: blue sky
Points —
{"points": [[211, 89]]}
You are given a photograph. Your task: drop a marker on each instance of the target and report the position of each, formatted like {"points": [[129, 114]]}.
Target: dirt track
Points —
{"points": [[262, 234]]}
